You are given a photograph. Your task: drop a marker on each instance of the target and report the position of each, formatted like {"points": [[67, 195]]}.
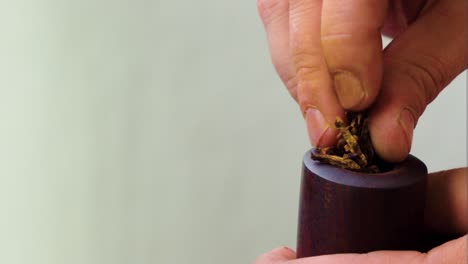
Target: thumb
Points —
{"points": [[418, 64]]}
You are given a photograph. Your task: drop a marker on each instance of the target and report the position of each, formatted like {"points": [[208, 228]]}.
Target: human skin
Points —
{"points": [[446, 212], [329, 55]]}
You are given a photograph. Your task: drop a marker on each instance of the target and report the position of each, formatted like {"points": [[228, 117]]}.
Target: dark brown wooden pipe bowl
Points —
{"points": [[343, 211]]}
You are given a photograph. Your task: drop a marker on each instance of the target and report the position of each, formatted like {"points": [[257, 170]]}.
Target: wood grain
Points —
{"points": [[342, 211]]}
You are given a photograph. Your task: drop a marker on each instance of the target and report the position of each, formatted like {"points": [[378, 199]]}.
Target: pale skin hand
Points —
{"points": [[446, 212], [329, 55]]}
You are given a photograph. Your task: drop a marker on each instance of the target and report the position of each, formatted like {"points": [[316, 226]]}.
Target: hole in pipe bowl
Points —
{"points": [[343, 211]]}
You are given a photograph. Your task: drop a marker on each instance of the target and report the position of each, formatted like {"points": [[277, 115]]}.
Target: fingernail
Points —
{"points": [[407, 123], [316, 126], [349, 89]]}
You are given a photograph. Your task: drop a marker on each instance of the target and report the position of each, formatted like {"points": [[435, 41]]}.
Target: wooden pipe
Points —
{"points": [[342, 211]]}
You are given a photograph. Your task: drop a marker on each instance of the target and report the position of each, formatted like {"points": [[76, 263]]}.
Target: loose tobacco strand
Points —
{"points": [[354, 150]]}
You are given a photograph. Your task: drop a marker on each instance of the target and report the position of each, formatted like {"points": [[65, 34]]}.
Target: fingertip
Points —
{"points": [[284, 253], [355, 91], [276, 256], [321, 132], [349, 90]]}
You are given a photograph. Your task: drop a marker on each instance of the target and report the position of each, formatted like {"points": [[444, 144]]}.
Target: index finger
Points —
{"points": [[315, 93]]}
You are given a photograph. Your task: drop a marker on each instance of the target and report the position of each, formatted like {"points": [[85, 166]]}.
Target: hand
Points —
{"points": [[446, 212], [329, 55]]}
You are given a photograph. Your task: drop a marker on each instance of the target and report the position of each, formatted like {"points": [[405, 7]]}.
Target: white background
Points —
{"points": [[156, 132]]}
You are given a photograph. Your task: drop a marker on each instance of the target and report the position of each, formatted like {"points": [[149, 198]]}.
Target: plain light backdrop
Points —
{"points": [[157, 132]]}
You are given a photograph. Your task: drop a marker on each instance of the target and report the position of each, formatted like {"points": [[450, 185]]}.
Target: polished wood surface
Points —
{"points": [[343, 211]]}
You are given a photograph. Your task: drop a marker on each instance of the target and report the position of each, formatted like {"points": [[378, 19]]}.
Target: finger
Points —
{"points": [[315, 93], [275, 18], [451, 252], [276, 256], [417, 66], [352, 45], [377, 257], [400, 15], [446, 202]]}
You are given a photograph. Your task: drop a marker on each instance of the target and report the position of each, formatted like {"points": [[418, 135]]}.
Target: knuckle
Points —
{"points": [[291, 86], [290, 82], [288, 79], [351, 35], [307, 64], [428, 74], [336, 36], [308, 71]]}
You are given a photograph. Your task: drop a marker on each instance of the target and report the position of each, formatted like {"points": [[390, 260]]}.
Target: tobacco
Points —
{"points": [[354, 149]]}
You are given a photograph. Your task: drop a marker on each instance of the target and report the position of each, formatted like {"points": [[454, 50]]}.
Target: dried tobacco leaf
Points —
{"points": [[354, 150]]}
